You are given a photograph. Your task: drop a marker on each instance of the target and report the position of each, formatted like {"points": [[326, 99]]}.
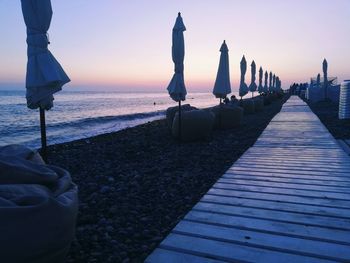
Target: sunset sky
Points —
{"points": [[126, 45]]}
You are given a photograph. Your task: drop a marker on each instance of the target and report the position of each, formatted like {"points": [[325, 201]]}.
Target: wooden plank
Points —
{"points": [[281, 216], [230, 252], [340, 157], [341, 180], [302, 151], [307, 182], [273, 242], [284, 191], [287, 185], [297, 171], [310, 163], [289, 198], [297, 160], [170, 256], [292, 167], [278, 206], [273, 227]]}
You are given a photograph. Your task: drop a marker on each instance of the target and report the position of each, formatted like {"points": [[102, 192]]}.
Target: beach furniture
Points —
{"points": [[38, 208], [253, 86], [222, 85], [266, 88], [334, 93], [176, 87], [344, 102], [267, 99], [196, 125], [45, 76], [248, 106], [270, 82], [227, 116], [170, 112], [258, 103], [243, 88], [260, 86]]}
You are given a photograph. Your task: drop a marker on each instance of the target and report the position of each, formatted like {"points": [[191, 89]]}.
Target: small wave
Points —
{"points": [[106, 119], [94, 121]]}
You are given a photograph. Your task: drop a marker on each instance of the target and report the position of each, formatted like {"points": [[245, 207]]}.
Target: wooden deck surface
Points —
{"points": [[287, 199]]}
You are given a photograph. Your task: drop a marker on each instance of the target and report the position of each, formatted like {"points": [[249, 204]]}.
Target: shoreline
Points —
{"points": [[136, 184]]}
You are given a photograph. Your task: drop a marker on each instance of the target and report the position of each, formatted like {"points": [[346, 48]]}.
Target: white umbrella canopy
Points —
{"points": [[243, 88], [252, 86], [260, 86], [45, 76], [222, 85], [176, 88]]}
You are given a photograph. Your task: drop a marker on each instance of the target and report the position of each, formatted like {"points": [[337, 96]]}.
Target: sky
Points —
{"points": [[126, 45]]}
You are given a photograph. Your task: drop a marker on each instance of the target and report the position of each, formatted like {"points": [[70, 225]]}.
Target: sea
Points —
{"points": [[83, 114]]}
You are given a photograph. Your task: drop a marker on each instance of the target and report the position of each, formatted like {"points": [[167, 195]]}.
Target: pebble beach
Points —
{"points": [[137, 183]]}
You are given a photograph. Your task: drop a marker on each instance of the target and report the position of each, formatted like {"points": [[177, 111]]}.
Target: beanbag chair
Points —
{"points": [[195, 125], [170, 112], [267, 100], [227, 116], [258, 104], [38, 208], [248, 106]]}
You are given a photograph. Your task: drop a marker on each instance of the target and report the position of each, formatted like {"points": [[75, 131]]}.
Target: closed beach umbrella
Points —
{"points": [[270, 81], [243, 88], [325, 77], [277, 83], [222, 85], [274, 82], [318, 80], [176, 87], [252, 86], [260, 86], [45, 75], [266, 88]]}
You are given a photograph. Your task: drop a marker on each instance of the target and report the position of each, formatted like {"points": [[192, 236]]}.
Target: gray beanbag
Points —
{"points": [[248, 106], [170, 112], [195, 125], [227, 116], [258, 104], [38, 208]]}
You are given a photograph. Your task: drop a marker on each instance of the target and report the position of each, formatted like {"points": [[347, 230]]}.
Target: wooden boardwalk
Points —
{"points": [[287, 199]]}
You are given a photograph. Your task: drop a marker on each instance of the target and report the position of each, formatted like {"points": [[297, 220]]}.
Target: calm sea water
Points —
{"points": [[82, 114]]}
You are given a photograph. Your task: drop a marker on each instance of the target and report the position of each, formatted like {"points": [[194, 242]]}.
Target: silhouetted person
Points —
{"points": [[234, 100]]}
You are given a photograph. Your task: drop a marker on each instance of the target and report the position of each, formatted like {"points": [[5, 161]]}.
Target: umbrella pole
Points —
{"points": [[180, 120], [220, 112], [43, 134]]}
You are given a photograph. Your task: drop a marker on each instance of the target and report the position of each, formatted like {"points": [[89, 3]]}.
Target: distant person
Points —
{"points": [[226, 100], [154, 103], [234, 100]]}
